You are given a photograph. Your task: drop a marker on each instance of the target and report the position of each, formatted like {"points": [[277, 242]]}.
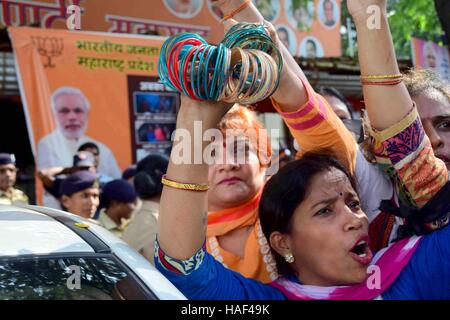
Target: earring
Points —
{"points": [[289, 257]]}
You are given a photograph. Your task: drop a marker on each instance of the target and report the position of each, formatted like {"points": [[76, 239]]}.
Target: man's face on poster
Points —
{"points": [[328, 9], [311, 51], [430, 58], [71, 115], [183, 6]]}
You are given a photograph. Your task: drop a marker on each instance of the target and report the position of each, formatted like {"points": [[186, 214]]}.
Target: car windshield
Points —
{"points": [[68, 278]]}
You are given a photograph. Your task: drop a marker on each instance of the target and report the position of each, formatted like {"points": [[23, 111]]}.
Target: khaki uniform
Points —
{"points": [[141, 232], [106, 222], [13, 197]]}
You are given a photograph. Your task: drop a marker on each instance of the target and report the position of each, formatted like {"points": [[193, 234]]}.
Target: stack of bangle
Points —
{"points": [[382, 80], [244, 68], [184, 186]]}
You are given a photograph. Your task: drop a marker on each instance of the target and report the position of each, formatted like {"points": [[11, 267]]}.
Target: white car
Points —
{"points": [[51, 254]]}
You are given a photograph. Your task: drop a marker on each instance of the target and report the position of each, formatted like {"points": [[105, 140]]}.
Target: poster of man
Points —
{"points": [[287, 37], [70, 109], [311, 48], [328, 13], [184, 8], [300, 14], [430, 55], [269, 9]]}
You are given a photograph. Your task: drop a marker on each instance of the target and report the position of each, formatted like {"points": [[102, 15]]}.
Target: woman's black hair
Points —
{"points": [[330, 91], [147, 181], [286, 190], [313, 43]]}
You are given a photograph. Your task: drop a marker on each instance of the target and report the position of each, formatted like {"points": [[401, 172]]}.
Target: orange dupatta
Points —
{"points": [[258, 262]]}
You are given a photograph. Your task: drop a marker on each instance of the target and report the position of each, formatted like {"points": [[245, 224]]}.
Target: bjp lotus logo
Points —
{"points": [[49, 47]]}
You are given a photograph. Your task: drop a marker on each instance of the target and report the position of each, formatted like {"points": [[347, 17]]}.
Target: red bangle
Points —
{"points": [[381, 83]]}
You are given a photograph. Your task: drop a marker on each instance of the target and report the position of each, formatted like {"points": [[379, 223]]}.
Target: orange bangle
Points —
{"points": [[236, 11], [382, 83]]}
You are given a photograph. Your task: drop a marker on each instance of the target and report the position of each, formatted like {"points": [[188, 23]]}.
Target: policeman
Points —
{"points": [[8, 171], [80, 193], [117, 202]]}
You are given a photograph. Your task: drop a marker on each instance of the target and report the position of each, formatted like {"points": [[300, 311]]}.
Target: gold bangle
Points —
{"points": [[184, 186], [387, 76]]}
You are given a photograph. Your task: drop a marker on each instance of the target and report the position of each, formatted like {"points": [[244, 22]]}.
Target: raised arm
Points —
{"points": [[308, 116], [401, 147], [183, 214], [385, 104], [292, 93]]}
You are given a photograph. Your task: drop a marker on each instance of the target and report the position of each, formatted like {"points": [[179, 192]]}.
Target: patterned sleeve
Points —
{"points": [[404, 152], [179, 267], [203, 277], [315, 127]]}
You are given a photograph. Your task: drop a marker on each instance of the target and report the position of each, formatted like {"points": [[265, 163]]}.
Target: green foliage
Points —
{"points": [[416, 18], [407, 18]]}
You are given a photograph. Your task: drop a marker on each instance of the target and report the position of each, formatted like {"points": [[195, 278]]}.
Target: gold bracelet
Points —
{"points": [[184, 186], [387, 76]]}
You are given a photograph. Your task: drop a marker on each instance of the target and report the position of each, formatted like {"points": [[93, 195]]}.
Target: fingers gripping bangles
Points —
{"points": [[244, 68]]}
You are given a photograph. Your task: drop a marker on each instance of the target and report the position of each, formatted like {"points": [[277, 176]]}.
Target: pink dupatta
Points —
{"points": [[390, 261]]}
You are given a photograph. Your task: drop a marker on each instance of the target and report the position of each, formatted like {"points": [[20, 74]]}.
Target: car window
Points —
{"points": [[68, 278]]}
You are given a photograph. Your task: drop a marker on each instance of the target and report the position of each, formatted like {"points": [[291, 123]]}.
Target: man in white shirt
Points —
{"points": [[71, 111]]}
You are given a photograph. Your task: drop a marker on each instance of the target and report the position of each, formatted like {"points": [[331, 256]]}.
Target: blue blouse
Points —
{"points": [[427, 275]]}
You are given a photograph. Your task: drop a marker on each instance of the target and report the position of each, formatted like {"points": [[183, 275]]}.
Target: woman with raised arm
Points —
{"points": [[234, 234], [310, 210], [315, 127]]}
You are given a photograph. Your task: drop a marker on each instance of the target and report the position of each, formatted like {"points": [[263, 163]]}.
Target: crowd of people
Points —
{"points": [[83, 190], [361, 192], [310, 230]]}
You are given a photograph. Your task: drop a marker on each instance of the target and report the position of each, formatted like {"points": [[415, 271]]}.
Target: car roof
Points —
{"points": [[27, 232], [34, 230]]}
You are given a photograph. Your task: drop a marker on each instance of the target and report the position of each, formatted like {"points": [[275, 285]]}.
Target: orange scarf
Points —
{"points": [[258, 262]]}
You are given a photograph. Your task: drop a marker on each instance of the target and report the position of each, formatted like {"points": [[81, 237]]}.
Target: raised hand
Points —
{"points": [[209, 112], [358, 8]]}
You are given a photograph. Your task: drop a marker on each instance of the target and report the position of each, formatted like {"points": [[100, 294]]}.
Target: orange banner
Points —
{"points": [[80, 87], [309, 28]]}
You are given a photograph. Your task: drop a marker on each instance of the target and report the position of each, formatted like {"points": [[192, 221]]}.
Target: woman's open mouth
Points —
{"points": [[361, 251]]}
